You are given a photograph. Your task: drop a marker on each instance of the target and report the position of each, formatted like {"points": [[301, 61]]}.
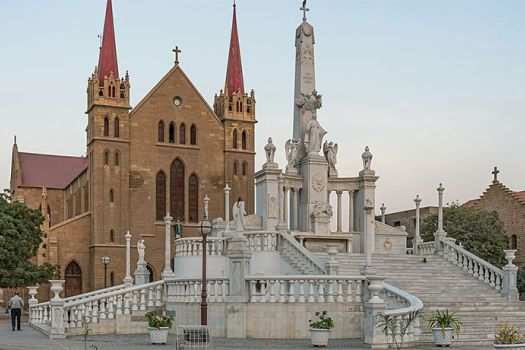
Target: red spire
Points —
{"points": [[234, 78], [107, 61]]}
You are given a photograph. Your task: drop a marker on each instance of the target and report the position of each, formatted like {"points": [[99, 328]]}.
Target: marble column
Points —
{"points": [[281, 202], [168, 272], [417, 235], [286, 191], [295, 209], [440, 234], [128, 280], [227, 190], [339, 212], [383, 212], [350, 211], [368, 237]]}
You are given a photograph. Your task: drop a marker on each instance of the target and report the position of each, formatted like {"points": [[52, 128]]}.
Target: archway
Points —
{"points": [[73, 277]]}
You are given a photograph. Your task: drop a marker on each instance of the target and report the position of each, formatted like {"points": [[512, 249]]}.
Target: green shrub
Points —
{"points": [[323, 322], [444, 319], [509, 334], [158, 320]]}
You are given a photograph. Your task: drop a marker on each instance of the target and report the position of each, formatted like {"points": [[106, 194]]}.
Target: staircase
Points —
{"points": [[442, 285]]}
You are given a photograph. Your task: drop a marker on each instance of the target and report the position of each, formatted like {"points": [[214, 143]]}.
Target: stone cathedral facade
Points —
{"points": [[144, 161]]}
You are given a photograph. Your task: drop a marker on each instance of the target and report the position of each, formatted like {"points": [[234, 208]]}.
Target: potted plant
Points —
{"points": [[395, 329], [509, 337], [320, 329], [443, 325], [158, 326]]}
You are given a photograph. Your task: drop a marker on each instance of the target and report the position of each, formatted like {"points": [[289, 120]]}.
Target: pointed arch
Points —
{"points": [[244, 168], [177, 188], [234, 138], [106, 157], [111, 196], [116, 127], [117, 158], [160, 196], [112, 235], [106, 126], [193, 198], [171, 133], [160, 132], [151, 273], [193, 134], [182, 134], [73, 277], [244, 139], [236, 168]]}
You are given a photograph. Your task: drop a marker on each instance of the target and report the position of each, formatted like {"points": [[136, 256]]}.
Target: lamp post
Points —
{"points": [[205, 230], [105, 261]]}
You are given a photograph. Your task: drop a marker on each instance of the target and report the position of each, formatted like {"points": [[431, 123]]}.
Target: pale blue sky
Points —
{"points": [[435, 88]]}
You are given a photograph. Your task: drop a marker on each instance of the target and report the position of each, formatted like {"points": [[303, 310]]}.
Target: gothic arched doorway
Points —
{"points": [[177, 190], [73, 277], [151, 273]]}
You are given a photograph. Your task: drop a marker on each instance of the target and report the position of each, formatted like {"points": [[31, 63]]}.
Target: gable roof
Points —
{"points": [[519, 196], [52, 171]]}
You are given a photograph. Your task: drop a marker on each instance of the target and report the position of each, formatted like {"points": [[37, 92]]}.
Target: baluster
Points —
{"points": [[264, 290], [102, 309], [142, 305], [291, 292], [475, 269], [273, 299], [321, 297], [340, 297], [151, 297], [330, 298], [94, 312], [110, 311], [311, 296], [301, 291], [253, 291], [119, 305], [282, 291], [498, 282], [134, 301], [223, 288], [127, 300]]}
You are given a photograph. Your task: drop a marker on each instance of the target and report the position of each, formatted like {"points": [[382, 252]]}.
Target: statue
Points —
{"points": [[367, 159], [330, 153], [309, 102], [321, 209], [313, 137], [141, 248], [270, 151], [291, 149], [238, 215]]}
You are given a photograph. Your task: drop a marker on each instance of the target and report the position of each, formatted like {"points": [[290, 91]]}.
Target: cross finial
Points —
{"points": [[177, 51], [495, 172], [305, 10]]}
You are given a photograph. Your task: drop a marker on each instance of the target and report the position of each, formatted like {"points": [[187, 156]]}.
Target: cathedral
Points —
{"points": [[159, 157]]}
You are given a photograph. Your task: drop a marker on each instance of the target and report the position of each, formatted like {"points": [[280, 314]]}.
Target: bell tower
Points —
{"points": [[236, 109], [108, 105]]}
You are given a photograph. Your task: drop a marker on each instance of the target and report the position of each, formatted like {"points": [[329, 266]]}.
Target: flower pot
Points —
{"points": [[442, 337], [510, 346], [158, 335], [320, 337]]}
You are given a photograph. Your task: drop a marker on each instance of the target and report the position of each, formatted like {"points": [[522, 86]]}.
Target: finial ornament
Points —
{"points": [[177, 51], [417, 200], [495, 173], [305, 10]]}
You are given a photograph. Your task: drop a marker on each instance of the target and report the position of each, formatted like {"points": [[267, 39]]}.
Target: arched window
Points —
{"points": [[111, 279], [182, 134], [117, 158], [193, 198], [171, 133], [160, 137], [234, 141], [73, 277], [244, 168], [106, 126], [49, 215], [514, 242], [193, 135], [111, 235], [235, 168], [111, 196], [177, 190], [160, 195], [106, 157], [116, 130], [122, 91], [243, 139]]}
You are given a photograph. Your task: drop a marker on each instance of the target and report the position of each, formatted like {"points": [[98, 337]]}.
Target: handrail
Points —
{"points": [[414, 303], [305, 277], [95, 292], [313, 259], [458, 248]]}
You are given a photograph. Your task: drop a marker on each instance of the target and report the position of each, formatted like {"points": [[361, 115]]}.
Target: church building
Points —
{"points": [[161, 156]]}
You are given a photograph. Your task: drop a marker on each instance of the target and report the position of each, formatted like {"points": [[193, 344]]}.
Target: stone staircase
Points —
{"points": [[442, 285]]}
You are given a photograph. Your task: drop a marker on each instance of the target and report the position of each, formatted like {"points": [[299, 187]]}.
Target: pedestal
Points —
{"points": [[141, 274], [267, 200], [321, 225], [314, 170]]}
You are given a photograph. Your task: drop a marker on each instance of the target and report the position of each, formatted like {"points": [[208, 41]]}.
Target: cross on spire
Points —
{"points": [[304, 9], [495, 172], [177, 51]]}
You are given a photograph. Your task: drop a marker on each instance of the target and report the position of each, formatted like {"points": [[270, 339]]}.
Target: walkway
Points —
{"points": [[28, 339]]}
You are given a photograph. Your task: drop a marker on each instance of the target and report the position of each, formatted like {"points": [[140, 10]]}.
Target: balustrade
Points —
{"points": [[262, 241], [192, 246], [189, 290]]}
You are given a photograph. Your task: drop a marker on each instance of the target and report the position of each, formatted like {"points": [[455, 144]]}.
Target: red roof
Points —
{"points": [[520, 196], [52, 171], [107, 61], [234, 77]]}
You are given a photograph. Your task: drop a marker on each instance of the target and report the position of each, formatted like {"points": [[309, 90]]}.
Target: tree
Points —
{"points": [[479, 231], [20, 237]]}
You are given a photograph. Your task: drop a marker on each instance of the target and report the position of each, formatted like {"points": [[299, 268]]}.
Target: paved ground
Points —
{"points": [[28, 339]]}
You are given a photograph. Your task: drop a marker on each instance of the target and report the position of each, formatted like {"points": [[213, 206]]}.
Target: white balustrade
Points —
{"points": [[192, 246], [401, 305], [305, 288], [426, 248], [189, 290], [262, 241]]}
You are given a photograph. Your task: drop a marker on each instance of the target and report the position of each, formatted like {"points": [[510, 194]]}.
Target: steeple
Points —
{"points": [[234, 77], [107, 62]]}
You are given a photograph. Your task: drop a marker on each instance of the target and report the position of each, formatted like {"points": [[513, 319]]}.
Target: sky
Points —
{"points": [[434, 87]]}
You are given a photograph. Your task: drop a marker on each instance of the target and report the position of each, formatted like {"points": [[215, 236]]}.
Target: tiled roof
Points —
{"points": [[520, 196], [234, 77], [52, 171], [107, 62], [473, 203]]}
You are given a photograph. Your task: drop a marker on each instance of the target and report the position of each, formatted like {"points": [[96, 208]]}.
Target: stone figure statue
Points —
{"points": [[141, 248], [321, 209], [330, 153], [291, 148], [313, 137], [367, 159], [238, 215], [309, 102], [270, 151]]}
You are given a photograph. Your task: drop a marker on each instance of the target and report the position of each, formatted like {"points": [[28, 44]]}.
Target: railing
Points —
{"points": [[109, 305], [94, 293], [288, 243], [192, 246], [40, 314], [409, 251], [305, 289], [426, 248], [262, 241], [189, 290], [477, 267]]}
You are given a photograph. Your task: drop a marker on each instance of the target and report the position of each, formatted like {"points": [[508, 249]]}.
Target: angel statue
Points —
{"points": [[313, 137], [238, 215], [367, 158], [330, 153], [270, 151], [309, 102], [291, 148], [141, 248]]}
